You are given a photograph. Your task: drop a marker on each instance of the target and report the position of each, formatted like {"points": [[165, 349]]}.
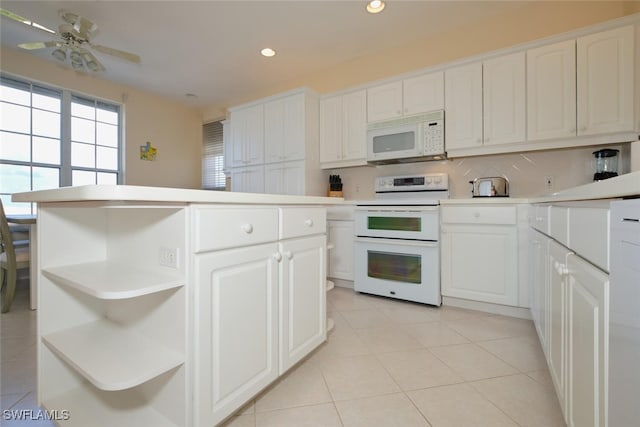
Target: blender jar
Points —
{"points": [[606, 164]]}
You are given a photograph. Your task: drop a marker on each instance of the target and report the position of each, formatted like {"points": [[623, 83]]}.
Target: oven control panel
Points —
{"points": [[408, 183]]}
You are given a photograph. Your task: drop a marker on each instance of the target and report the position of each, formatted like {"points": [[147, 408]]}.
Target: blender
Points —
{"points": [[606, 164]]}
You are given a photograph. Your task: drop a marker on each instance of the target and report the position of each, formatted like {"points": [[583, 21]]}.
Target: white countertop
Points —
{"points": [[168, 195], [627, 185]]}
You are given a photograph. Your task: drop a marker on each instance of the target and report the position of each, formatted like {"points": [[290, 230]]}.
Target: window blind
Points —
{"points": [[213, 177]]}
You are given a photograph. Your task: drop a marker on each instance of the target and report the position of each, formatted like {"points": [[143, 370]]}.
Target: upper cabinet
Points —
{"points": [[343, 130], [247, 136], [551, 91], [410, 96], [463, 106], [284, 129], [504, 99], [605, 81]]}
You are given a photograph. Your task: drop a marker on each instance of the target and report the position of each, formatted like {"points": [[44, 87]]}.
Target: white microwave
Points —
{"points": [[408, 139]]}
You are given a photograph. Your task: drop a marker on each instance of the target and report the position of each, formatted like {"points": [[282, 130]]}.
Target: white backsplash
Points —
{"points": [[526, 172]]}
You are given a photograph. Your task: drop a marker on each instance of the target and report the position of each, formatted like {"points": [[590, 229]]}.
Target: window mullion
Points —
{"points": [[65, 116]]}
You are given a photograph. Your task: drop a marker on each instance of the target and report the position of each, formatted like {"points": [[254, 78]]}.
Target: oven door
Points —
{"points": [[406, 222], [408, 270]]}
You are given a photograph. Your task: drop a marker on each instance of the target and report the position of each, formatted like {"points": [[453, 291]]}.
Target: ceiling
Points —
{"points": [[211, 48]]}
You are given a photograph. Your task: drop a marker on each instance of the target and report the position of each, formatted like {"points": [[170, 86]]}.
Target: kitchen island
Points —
{"points": [[162, 306]]}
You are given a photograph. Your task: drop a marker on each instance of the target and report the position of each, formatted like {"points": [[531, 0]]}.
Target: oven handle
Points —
{"points": [[365, 208], [397, 242]]}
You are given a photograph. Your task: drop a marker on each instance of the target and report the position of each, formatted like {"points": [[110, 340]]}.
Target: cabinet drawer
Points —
{"points": [[220, 227], [295, 222], [539, 218], [589, 234], [559, 224], [503, 215]]}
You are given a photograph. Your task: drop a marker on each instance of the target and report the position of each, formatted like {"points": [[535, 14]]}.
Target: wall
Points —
{"points": [[175, 130]]}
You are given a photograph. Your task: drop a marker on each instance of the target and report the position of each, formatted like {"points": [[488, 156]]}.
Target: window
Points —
{"points": [[52, 138], [213, 177]]}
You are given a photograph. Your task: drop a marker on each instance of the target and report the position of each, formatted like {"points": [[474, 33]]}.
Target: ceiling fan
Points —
{"points": [[75, 41]]}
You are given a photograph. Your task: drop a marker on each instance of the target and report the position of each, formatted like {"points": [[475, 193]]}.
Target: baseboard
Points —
{"points": [[504, 310], [341, 283]]}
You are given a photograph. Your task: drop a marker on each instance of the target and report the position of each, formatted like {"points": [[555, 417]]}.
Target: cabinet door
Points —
{"points": [[551, 91], [539, 285], [253, 138], [354, 125], [273, 182], [294, 127], [331, 129], [588, 344], [236, 329], [504, 99], [480, 263], [237, 137], [606, 81], [274, 131], [423, 93], [557, 348], [248, 180], [340, 259], [384, 102], [302, 298], [293, 178], [463, 106]]}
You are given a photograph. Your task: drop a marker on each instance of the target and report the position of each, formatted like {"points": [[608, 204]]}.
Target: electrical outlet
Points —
{"points": [[169, 257], [549, 182]]}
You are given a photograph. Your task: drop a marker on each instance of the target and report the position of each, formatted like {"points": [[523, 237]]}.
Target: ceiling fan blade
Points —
{"points": [[115, 52], [25, 21], [39, 45], [91, 61]]}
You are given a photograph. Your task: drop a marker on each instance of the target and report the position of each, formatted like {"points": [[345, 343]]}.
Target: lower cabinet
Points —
{"points": [[340, 234], [480, 254], [588, 343], [236, 329], [302, 299]]}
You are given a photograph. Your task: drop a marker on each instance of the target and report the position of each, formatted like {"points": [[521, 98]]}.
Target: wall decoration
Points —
{"points": [[148, 152]]}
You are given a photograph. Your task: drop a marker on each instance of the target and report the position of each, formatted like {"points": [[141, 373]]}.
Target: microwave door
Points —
{"points": [[397, 143]]}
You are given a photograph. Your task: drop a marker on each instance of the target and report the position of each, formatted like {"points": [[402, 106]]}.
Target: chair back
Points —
{"points": [[6, 240]]}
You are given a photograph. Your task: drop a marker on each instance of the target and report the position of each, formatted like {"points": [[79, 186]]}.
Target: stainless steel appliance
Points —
{"points": [[408, 139], [397, 249], [624, 314], [494, 186]]}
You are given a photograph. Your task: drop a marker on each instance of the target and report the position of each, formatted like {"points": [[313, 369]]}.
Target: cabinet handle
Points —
{"points": [[288, 254], [277, 256], [247, 228], [308, 222], [476, 214]]}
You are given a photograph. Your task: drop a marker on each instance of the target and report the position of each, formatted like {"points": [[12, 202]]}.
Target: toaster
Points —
{"points": [[494, 186]]}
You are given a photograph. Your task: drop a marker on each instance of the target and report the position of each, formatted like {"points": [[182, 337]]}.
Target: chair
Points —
{"points": [[14, 255]]}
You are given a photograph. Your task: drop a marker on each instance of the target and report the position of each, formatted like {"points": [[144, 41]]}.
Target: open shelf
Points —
{"points": [[112, 357], [105, 410], [110, 280]]}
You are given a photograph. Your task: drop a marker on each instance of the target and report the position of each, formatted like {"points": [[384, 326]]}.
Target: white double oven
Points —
{"points": [[397, 249]]}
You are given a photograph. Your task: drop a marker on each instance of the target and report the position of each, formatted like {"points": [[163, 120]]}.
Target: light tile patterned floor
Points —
{"points": [[386, 363]]}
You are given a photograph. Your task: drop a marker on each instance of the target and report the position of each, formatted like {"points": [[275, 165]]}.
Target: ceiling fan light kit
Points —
{"points": [[75, 35]]}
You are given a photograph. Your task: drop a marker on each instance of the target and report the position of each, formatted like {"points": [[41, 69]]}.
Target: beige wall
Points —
{"points": [[175, 130]]}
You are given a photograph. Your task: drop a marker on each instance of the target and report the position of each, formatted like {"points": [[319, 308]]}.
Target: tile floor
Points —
{"points": [[386, 363]]}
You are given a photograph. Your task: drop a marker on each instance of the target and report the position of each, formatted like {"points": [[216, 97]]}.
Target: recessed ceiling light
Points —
{"points": [[268, 52], [375, 6]]}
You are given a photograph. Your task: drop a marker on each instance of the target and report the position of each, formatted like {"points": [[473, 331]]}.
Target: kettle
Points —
{"points": [[494, 186]]}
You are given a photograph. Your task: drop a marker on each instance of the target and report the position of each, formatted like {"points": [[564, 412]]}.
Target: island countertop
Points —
{"points": [[132, 193]]}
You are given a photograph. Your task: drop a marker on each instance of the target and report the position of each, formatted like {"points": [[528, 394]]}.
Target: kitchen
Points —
{"points": [[532, 169]]}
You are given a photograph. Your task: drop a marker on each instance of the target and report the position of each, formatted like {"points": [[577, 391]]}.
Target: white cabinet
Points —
{"points": [[539, 285], [248, 179], [410, 96], [463, 106], [284, 178], [557, 317], [504, 99], [112, 321], [284, 131], [484, 240], [588, 344], [227, 146], [302, 295], [343, 130], [606, 81], [551, 91], [236, 328], [340, 234], [247, 136]]}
